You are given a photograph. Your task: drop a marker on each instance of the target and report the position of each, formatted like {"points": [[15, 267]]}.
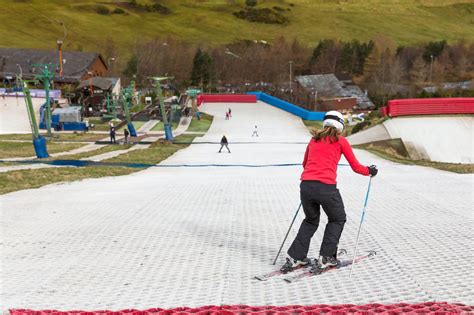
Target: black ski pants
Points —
{"points": [[315, 195], [224, 145]]}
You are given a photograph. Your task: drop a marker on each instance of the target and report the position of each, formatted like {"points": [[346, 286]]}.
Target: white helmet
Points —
{"points": [[334, 119]]}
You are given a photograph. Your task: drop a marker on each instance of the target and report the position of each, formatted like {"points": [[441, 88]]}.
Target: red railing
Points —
{"points": [[428, 106], [226, 98]]}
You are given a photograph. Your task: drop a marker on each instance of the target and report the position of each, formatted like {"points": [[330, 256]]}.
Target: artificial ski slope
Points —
{"points": [[193, 236]]}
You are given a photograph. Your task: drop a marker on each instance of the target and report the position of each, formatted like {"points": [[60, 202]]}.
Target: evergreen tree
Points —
{"points": [[132, 66], [201, 68], [433, 49], [322, 46], [347, 53]]}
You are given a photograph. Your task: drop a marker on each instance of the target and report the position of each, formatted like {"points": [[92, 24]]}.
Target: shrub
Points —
{"points": [[250, 3], [118, 11], [161, 9], [360, 126], [265, 15], [101, 9], [156, 7]]}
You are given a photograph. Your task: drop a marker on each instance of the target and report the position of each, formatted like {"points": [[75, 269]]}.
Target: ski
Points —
{"points": [[266, 276], [342, 264]]}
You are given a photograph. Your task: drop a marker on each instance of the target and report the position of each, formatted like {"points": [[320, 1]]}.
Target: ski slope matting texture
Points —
{"points": [[195, 236], [14, 114]]}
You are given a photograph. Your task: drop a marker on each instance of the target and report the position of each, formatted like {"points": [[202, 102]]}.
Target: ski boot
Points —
{"points": [[322, 263], [292, 264]]}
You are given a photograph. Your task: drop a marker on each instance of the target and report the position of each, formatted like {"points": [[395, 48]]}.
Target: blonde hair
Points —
{"points": [[328, 132]]}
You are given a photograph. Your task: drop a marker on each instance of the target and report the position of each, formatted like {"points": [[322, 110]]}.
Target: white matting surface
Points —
{"points": [[14, 115], [443, 139], [167, 237], [448, 139]]}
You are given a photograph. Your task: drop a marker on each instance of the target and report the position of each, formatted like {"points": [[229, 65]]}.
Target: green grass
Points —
{"points": [[136, 124], [161, 150], [106, 149], [156, 153], [27, 179], [73, 137], [200, 125], [100, 125], [316, 124], [25, 149], [33, 23], [185, 138], [160, 126], [392, 152]]}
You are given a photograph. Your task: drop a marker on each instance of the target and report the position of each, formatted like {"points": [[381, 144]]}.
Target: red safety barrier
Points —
{"points": [[374, 308], [226, 98], [429, 106]]}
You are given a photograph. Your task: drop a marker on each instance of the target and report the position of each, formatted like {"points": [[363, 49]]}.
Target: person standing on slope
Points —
{"points": [[318, 189], [224, 143], [255, 131]]}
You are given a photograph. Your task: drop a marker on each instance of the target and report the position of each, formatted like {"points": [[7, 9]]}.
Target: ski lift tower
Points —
{"points": [[126, 96], [159, 93], [39, 142], [46, 76], [193, 93]]}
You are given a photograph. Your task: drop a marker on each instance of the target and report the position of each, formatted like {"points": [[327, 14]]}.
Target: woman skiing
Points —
{"points": [[318, 189]]}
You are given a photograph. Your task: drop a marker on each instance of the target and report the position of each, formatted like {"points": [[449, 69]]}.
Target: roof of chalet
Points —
{"points": [[99, 82], [76, 66], [329, 86]]}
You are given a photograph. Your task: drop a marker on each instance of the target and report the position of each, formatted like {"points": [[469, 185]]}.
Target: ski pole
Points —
{"points": [[360, 226], [294, 218]]}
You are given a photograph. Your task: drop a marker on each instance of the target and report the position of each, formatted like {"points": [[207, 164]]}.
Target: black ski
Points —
{"points": [[266, 276], [342, 264]]}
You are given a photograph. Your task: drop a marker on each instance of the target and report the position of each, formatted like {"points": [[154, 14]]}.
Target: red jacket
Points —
{"points": [[321, 159]]}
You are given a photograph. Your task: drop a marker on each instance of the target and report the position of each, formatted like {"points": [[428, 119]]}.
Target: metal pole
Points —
{"points": [[284, 240], [431, 67], [291, 72], [360, 226]]}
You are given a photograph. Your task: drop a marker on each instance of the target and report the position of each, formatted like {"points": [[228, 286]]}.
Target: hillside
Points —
{"points": [[91, 24]]}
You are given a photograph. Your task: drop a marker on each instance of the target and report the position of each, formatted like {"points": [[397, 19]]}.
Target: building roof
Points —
{"points": [[329, 86], [99, 82], [76, 66]]}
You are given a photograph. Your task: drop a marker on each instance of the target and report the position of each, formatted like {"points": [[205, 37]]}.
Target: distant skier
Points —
{"points": [[225, 143], [112, 135], [318, 189], [226, 115], [255, 131], [230, 113]]}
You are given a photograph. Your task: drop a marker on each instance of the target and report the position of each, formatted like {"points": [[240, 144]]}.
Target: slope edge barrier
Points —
{"points": [[428, 106], [226, 98], [374, 308], [291, 108]]}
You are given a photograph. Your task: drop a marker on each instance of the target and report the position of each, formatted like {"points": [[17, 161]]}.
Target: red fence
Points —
{"points": [[428, 106], [226, 98], [437, 308]]}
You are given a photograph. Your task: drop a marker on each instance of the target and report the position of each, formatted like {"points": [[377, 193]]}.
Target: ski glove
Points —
{"points": [[373, 170]]}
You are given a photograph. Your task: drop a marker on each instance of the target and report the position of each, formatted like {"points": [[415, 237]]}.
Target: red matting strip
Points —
{"points": [[226, 98], [438, 308]]}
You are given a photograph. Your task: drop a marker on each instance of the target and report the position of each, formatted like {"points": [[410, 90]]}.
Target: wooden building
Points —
{"points": [[77, 66]]}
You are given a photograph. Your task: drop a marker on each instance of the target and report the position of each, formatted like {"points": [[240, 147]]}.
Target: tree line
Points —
{"points": [[380, 66]]}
